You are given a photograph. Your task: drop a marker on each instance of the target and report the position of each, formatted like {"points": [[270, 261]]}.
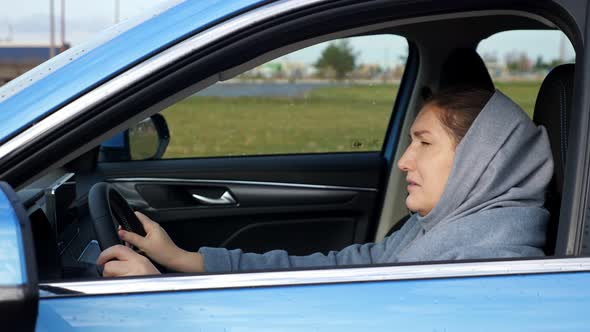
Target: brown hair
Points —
{"points": [[458, 108]]}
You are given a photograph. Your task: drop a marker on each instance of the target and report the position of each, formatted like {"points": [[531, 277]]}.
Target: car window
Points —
{"points": [[336, 96], [519, 60]]}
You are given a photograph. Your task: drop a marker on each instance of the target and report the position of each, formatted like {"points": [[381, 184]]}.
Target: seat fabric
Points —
{"points": [[552, 110]]}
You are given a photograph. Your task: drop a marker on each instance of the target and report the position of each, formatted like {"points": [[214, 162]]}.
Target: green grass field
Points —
{"points": [[329, 119], [523, 93]]}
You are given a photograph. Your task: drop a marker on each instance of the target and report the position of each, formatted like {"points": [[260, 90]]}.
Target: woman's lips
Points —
{"points": [[412, 185]]}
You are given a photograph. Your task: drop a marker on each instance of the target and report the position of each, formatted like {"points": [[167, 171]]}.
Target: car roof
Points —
{"points": [[53, 84]]}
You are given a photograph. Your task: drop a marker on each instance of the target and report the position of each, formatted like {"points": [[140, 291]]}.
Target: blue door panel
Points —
{"points": [[510, 303]]}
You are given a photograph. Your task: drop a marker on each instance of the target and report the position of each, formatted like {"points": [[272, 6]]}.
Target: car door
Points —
{"points": [[267, 207], [494, 296]]}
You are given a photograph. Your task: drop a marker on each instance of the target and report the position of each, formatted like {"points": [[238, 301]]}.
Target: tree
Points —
{"points": [[337, 59], [539, 64]]}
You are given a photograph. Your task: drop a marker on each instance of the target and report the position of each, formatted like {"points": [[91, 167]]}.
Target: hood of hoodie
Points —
{"points": [[504, 160]]}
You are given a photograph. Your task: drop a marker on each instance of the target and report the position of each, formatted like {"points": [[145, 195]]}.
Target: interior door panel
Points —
{"points": [[299, 203]]}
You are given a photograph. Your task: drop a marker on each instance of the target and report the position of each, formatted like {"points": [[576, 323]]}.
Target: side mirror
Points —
{"points": [[19, 293], [147, 140]]}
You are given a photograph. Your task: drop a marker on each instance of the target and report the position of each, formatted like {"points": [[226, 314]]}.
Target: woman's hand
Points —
{"points": [[121, 261], [159, 247]]}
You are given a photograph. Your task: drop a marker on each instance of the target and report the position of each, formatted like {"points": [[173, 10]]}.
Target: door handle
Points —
{"points": [[225, 199]]}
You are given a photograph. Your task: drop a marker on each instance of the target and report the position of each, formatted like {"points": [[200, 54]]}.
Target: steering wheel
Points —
{"points": [[108, 210]]}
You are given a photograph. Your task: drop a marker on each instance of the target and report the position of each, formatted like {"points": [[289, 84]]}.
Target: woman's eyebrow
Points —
{"points": [[420, 133]]}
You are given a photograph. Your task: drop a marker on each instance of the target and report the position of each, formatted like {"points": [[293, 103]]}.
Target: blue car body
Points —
{"points": [[12, 261], [473, 299]]}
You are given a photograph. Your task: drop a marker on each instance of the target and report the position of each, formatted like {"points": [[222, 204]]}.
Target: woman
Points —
{"points": [[477, 169]]}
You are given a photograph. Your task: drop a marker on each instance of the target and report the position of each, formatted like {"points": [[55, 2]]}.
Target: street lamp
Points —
{"points": [[63, 25], [117, 11], [51, 31]]}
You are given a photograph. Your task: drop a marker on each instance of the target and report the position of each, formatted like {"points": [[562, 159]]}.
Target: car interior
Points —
{"points": [[302, 203]]}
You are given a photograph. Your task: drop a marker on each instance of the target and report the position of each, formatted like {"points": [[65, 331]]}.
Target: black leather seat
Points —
{"points": [[552, 110]]}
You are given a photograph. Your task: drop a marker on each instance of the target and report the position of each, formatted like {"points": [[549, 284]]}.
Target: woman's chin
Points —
{"points": [[410, 204], [414, 206]]}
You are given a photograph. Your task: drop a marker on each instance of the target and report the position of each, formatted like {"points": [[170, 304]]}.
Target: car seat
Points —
{"points": [[552, 110], [465, 68]]}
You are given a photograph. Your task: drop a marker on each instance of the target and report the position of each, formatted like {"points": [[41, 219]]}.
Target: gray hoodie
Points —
{"points": [[491, 207]]}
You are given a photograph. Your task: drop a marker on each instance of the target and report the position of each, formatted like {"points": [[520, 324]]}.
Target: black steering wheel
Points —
{"points": [[108, 210]]}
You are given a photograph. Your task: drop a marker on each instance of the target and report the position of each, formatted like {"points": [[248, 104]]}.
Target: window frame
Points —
{"points": [[324, 276], [318, 276]]}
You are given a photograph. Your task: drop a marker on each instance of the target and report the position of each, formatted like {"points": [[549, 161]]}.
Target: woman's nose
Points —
{"points": [[405, 163]]}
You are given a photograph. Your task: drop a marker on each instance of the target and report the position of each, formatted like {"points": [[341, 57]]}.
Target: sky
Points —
{"points": [[27, 22]]}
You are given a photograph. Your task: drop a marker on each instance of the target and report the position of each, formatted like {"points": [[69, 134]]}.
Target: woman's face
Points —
{"points": [[427, 161]]}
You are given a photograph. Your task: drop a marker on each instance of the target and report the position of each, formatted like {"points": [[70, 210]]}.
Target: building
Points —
{"points": [[17, 59]]}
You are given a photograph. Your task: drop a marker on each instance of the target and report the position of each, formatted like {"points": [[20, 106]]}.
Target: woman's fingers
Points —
{"points": [[132, 238], [147, 223], [119, 229], [119, 261], [118, 252], [116, 269]]}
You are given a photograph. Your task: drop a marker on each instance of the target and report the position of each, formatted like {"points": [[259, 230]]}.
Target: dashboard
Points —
{"points": [[63, 233]]}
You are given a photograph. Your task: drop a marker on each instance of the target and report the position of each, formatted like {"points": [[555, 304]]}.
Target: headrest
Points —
{"points": [[465, 68], [552, 110]]}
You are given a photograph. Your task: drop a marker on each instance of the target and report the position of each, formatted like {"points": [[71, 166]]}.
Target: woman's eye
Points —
{"points": [[424, 143]]}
